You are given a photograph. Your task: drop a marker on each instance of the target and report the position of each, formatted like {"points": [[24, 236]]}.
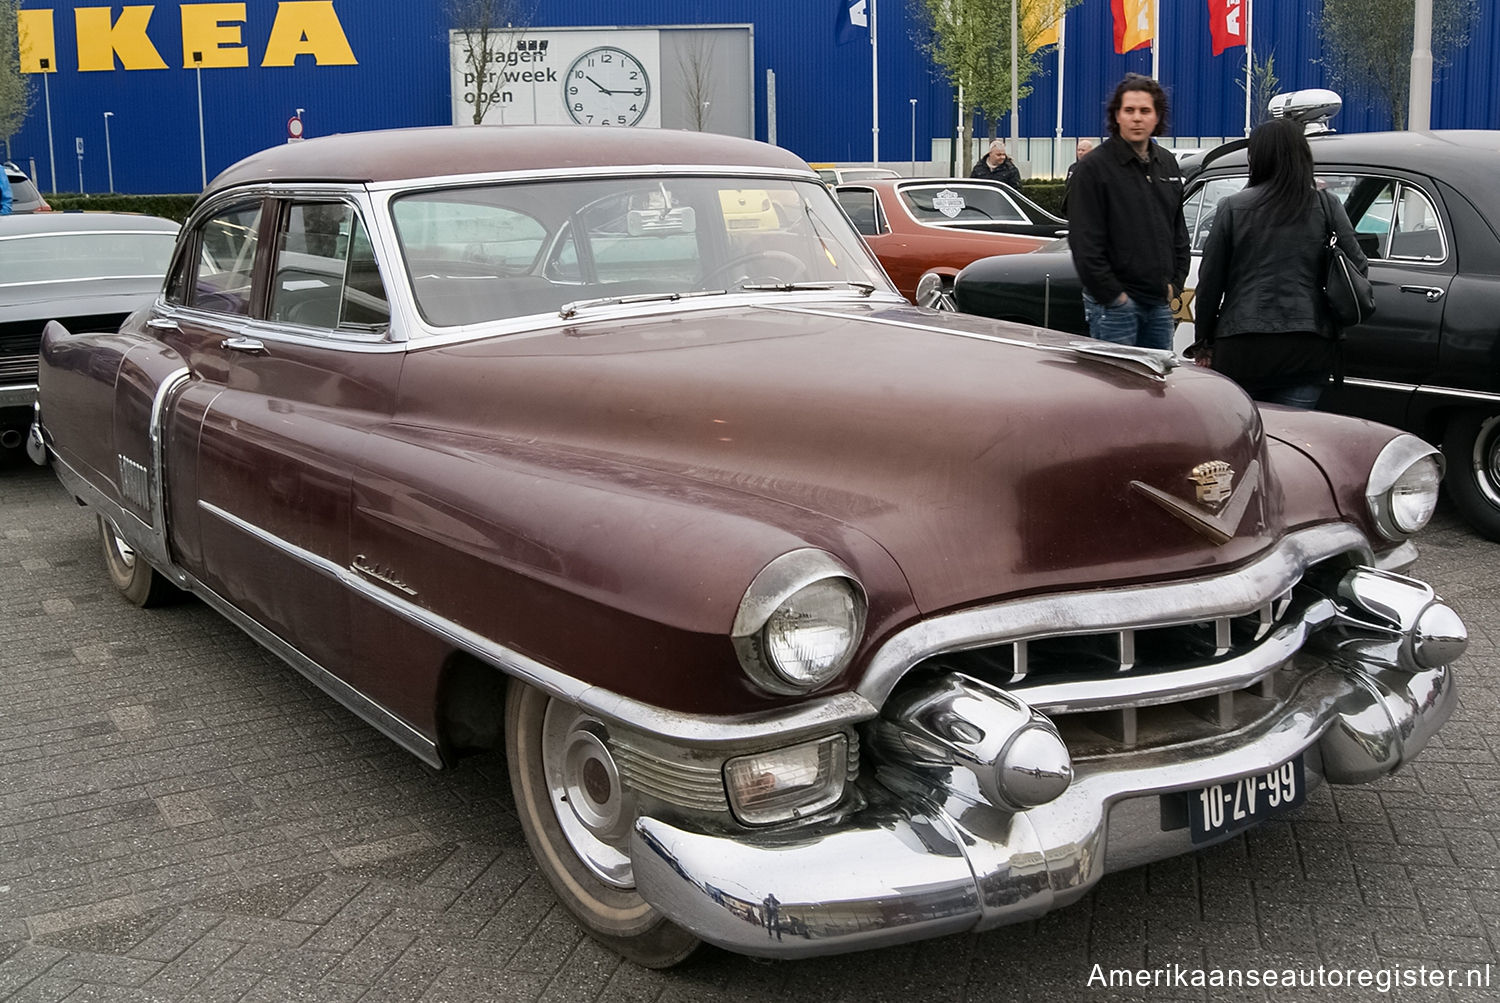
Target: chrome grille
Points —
{"points": [[1117, 690], [18, 369]]}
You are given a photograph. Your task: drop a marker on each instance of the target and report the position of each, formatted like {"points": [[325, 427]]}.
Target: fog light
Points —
{"points": [[787, 783], [1439, 637]]}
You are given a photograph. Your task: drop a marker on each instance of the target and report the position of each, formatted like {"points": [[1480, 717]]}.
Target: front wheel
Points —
{"points": [[137, 580], [572, 808], [1471, 446]]}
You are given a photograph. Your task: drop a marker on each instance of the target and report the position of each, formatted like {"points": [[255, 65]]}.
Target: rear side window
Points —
{"points": [[1200, 208], [225, 267], [961, 204], [860, 204]]}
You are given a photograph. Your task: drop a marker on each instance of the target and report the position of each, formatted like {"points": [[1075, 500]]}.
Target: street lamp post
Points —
{"points": [[913, 136], [202, 152], [109, 157], [51, 154]]}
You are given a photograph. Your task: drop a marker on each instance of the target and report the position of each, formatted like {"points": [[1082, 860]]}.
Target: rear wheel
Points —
{"points": [[137, 580], [572, 808], [1471, 446]]}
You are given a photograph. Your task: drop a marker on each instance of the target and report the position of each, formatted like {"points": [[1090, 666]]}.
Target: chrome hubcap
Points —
{"points": [[124, 552], [1486, 459], [587, 796]]}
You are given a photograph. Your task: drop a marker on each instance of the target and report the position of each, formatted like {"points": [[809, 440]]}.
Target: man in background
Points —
{"points": [[1125, 225], [997, 166]]}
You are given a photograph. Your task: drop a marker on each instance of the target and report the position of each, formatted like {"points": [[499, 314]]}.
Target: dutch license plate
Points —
{"points": [[1237, 804]]}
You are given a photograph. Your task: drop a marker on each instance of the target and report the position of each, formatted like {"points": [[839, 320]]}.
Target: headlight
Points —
{"points": [[1403, 486], [799, 622]]}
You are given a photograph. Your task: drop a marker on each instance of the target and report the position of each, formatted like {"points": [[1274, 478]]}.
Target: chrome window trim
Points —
{"points": [[1025, 219], [438, 181], [1442, 228], [1099, 610], [759, 730]]}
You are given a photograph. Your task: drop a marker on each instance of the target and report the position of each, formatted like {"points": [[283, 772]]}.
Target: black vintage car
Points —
{"points": [[1427, 208]]}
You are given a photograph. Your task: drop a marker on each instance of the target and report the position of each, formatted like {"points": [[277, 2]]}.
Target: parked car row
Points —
{"points": [[87, 270], [808, 620], [1426, 207]]}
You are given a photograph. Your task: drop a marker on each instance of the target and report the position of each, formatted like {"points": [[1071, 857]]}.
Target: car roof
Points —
{"points": [[73, 222], [452, 151], [1466, 158]]}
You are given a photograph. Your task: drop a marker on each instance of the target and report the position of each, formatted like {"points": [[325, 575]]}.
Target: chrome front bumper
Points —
{"points": [[917, 860]]}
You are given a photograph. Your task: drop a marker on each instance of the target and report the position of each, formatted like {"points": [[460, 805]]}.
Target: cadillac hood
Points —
{"points": [[987, 459]]}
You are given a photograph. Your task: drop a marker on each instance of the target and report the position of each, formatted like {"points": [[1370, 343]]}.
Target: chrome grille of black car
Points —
{"points": [[18, 369]]}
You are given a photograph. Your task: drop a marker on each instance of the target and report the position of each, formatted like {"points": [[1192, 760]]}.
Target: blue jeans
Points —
{"points": [[1304, 397], [1130, 323]]}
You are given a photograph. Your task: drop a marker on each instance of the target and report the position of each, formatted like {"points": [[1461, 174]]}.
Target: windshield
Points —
{"points": [[501, 251], [60, 257]]}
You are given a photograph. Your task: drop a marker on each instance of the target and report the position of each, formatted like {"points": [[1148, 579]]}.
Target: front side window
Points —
{"points": [[502, 251], [1200, 208], [325, 274], [225, 267]]}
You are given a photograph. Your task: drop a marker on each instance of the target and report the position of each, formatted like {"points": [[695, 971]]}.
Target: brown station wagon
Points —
{"points": [[808, 620]]}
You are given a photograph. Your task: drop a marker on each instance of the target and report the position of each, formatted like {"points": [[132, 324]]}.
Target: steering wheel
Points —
{"points": [[795, 266]]}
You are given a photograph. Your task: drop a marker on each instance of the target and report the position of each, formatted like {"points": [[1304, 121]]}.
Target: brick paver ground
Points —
{"points": [[182, 817]]}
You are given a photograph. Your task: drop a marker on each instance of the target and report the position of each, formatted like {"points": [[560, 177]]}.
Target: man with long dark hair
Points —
{"points": [[1262, 318], [1125, 225]]}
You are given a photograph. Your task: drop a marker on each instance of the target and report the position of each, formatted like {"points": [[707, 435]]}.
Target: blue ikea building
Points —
{"points": [[118, 89]]}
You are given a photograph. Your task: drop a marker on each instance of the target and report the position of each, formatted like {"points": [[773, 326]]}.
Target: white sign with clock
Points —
{"points": [[558, 76]]}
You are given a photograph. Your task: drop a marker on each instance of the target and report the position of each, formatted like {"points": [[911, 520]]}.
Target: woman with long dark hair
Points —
{"points": [[1261, 315]]}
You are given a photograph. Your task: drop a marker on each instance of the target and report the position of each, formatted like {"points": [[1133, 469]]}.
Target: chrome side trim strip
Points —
{"points": [[1237, 593], [175, 379], [706, 731]]}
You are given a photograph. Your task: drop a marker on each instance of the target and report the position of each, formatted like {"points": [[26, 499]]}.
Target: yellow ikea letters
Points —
{"points": [[212, 31]]}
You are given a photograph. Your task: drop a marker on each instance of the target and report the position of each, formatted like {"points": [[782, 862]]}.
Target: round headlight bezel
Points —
{"points": [[1403, 465], [800, 583]]}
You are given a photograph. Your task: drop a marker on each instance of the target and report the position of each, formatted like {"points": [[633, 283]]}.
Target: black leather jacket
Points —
{"points": [[1259, 278], [1125, 225], [1007, 171]]}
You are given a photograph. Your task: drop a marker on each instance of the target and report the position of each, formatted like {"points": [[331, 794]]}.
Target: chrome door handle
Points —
{"points": [[242, 344], [162, 323], [1433, 293]]}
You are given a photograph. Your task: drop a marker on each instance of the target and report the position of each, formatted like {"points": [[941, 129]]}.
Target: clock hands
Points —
{"points": [[636, 91]]}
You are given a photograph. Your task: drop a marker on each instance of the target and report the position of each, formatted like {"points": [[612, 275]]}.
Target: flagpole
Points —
{"points": [[1155, 39], [1062, 32], [1249, 59], [874, 90], [1015, 58]]}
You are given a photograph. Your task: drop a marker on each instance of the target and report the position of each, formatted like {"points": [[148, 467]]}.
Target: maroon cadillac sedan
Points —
{"points": [[808, 620]]}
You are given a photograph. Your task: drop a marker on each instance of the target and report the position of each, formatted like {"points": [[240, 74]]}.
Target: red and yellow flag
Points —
{"points": [[1135, 23]]}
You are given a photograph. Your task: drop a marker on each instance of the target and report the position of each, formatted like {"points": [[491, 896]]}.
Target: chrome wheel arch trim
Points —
{"points": [[1140, 606]]}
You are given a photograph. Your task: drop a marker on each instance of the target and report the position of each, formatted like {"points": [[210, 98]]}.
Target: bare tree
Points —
{"points": [[1367, 44], [16, 93], [695, 62], [491, 31]]}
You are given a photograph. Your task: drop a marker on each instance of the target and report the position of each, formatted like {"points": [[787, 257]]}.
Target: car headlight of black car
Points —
{"points": [[1403, 486], [799, 622]]}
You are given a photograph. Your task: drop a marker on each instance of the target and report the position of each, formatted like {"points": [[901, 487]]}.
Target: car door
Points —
{"points": [[1408, 240], [301, 368]]}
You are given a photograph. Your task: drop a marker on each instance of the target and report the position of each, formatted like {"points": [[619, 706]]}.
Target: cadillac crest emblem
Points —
{"points": [[1215, 481]]}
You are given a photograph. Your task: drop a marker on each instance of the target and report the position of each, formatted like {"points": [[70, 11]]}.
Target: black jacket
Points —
{"points": [[1007, 172], [1125, 226], [1259, 278]]}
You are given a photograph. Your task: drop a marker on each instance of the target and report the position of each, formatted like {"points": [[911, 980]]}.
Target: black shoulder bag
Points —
{"points": [[1349, 295]]}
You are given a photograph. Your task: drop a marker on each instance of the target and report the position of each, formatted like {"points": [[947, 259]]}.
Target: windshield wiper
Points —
{"points": [[864, 288], [568, 310]]}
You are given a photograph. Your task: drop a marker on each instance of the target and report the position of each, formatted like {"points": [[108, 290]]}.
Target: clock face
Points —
{"points": [[607, 86]]}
